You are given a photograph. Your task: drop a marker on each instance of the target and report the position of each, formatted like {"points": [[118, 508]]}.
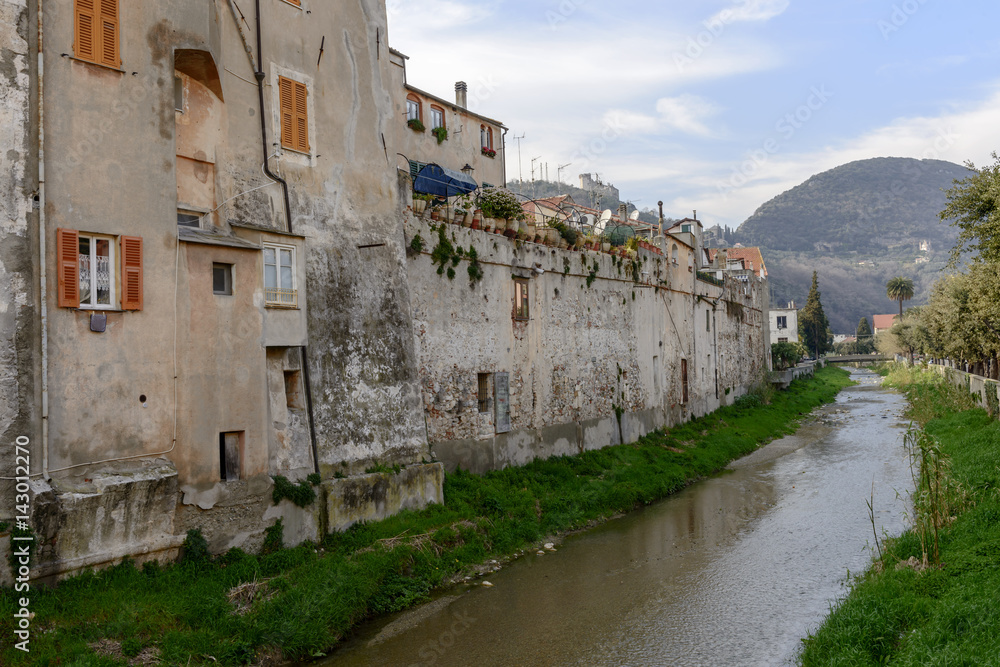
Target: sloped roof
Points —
{"points": [[751, 257], [883, 321]]}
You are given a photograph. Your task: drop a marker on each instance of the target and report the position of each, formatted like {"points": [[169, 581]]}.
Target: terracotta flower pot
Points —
{"points": [[435, 214]]}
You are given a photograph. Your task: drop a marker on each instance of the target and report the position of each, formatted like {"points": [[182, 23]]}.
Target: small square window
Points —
{"points": [[187, 219], [222, 278]]}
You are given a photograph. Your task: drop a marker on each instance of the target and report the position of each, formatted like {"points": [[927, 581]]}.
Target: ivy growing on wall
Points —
{"points": [[302, 494]]}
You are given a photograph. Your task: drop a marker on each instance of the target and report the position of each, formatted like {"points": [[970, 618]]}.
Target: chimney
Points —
{"points": [[462, 94], [623, 212], [696, 214]]}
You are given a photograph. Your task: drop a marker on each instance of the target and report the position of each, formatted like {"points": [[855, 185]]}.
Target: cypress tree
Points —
{"points": [[813, 322], [864, 332]]}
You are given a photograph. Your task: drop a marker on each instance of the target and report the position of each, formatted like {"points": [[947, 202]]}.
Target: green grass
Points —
{"points": [[311, 595], [945, 615]]}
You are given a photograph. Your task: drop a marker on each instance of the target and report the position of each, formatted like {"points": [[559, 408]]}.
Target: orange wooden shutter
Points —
{"points": [[301, 118], [285, 96], [109, 33], [131, 249], [68, 267], [85, 20]]}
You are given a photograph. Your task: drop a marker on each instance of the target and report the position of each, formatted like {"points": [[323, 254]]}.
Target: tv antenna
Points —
{"points": [[559, 171], [520, 173]]}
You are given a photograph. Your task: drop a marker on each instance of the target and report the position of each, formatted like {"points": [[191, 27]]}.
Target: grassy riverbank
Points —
{"points": [[295, 603], [944, 612]]}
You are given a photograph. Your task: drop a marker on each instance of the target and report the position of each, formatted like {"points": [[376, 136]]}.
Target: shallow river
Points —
{"points": [[735, 570]]}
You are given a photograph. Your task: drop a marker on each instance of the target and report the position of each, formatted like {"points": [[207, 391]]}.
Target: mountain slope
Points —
{"points": [[858, 226], [870, 206]]}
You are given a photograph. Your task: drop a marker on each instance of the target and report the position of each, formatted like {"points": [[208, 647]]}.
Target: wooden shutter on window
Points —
{"points": [[109, 33], [301, 118], [85, 20], [68, 267], [131, 251], [294, 115]]}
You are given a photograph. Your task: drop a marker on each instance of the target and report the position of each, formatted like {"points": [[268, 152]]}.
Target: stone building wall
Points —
{"points": [[593, 365]]}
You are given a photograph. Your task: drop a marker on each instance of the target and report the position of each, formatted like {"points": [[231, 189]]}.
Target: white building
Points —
{"points": [[785, 324]]}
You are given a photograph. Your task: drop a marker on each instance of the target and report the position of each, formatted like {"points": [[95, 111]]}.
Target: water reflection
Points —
{"points": [[734, 570]]}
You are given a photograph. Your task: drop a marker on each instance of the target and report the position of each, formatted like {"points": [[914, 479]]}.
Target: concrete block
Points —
{"points": [[376, 496]]}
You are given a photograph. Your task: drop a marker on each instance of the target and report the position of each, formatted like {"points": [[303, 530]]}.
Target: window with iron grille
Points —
{"points": [[521, 310], [483, 394]]}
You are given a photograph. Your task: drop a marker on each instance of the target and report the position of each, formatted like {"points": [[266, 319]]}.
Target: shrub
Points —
{"points": [[499, 203]]}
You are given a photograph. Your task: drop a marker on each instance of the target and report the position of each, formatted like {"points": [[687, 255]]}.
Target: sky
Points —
{"points": [[714, 105]]}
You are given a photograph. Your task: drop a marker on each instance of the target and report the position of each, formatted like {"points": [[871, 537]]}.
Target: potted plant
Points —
{"points": [[489, 152], [415, 124], [498, 203], [420, 203], [441, 133]]}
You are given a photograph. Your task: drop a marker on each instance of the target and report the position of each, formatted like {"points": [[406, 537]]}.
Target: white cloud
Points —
{"points": [[969, 132], [684, 114], [437, 15], [751, 10]]}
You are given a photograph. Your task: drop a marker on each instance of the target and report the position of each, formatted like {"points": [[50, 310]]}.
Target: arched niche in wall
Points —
{"points": [[200, 120]]}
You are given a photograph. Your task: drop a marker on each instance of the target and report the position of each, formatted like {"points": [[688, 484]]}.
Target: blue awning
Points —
{"points": [[436, 180]]}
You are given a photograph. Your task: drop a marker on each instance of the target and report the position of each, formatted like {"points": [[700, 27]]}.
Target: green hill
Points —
{"points": [[868, 206], [857, 225]]}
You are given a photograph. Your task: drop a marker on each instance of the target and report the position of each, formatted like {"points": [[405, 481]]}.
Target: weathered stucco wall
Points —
{"points": [[122, 161], [593, 365], [18, 314]]}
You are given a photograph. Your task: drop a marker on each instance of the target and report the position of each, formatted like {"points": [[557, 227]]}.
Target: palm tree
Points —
{"points": [[899, 289]]}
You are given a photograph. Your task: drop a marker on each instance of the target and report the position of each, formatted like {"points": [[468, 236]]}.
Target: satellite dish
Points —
{"points": [[605, 215], [634, 215]]}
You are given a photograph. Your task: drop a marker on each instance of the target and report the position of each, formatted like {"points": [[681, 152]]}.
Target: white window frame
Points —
{"points": [[112, 267], [279, 296], [412, 110], [436, 116]]}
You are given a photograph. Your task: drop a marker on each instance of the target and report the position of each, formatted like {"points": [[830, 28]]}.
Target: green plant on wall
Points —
{"points": [[415, 124], [302, 494], [441, 133], [475, 270]]}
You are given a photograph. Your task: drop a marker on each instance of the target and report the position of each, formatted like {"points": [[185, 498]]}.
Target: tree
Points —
{"points": [[863, 332], [813, 323], [974, 207], [899, 289]]}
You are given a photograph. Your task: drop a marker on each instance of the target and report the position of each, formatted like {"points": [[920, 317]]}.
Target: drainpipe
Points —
{"points": [[303, 350], [42, 264]]}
